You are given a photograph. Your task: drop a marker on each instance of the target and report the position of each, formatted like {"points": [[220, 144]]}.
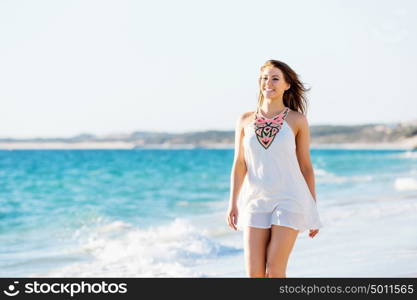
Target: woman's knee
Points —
{"points": [[256, 271], [276, 275], [256, 274], [275, 270]]}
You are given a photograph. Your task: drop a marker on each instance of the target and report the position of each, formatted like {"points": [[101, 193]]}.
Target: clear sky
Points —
{"points": [[104, 67]]}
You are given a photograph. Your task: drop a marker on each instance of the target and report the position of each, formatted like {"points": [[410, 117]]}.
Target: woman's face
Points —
{"points": [[273, 84]]}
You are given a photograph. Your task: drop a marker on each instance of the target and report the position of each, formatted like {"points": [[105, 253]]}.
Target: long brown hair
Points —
{"points": [[294, 97]]}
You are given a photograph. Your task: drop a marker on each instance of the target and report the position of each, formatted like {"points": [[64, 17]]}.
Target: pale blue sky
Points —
{"points": [[102, 67]]}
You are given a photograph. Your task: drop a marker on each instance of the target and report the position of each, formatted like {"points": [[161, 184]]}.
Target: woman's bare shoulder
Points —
{"points": [[295, 113], [245, 118], [296, 120]]}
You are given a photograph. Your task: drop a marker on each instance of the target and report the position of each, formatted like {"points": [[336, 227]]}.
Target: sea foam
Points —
{"points": [[405, 184], [122, 250]]}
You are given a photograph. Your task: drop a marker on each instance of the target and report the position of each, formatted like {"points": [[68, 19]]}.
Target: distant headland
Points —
{"points": [[368, 136]]}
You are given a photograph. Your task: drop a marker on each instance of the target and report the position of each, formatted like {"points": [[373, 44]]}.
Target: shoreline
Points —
{"points": [[133, 146]]}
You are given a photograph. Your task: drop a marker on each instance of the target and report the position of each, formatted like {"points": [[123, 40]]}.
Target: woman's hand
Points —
{"points": [[313, 232], [232, 215]]}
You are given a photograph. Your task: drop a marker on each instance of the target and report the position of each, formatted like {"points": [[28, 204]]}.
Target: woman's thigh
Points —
{"points": [[255, 245], [279, 249]]}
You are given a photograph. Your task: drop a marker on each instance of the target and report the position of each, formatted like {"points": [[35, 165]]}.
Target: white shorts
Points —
{"points": [[265, 213]]}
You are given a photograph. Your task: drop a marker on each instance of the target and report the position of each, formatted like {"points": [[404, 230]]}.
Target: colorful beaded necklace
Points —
{"points": [[267, 128]]}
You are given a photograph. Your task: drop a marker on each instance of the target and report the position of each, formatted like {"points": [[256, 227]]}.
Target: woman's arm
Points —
{"points": [[239, 169], [303, 153]]}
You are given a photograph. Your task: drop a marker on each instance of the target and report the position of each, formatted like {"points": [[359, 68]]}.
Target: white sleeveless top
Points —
{"points": [[273, 172]]}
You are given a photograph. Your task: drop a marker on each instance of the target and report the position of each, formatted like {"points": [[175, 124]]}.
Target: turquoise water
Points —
{"points": [[42, 188], [161, 213]]}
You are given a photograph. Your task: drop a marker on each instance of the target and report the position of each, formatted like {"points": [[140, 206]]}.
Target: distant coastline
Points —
{"points": [[370, 136], [129, 146]]}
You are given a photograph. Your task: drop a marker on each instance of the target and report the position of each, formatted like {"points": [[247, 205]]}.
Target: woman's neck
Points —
{"points": [[272, 105]]}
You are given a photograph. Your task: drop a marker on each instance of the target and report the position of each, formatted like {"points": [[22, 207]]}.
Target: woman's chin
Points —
{"points": [[269, 94]]}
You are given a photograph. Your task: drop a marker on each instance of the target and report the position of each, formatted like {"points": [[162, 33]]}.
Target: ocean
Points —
{"points": [[162, 213]]}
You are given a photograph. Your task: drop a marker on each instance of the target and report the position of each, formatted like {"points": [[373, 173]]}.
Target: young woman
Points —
{"points": [[272, 196]]}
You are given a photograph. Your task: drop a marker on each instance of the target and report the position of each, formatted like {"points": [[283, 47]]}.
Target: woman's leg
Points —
{"points": [[255, 243], [279, 249]]}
